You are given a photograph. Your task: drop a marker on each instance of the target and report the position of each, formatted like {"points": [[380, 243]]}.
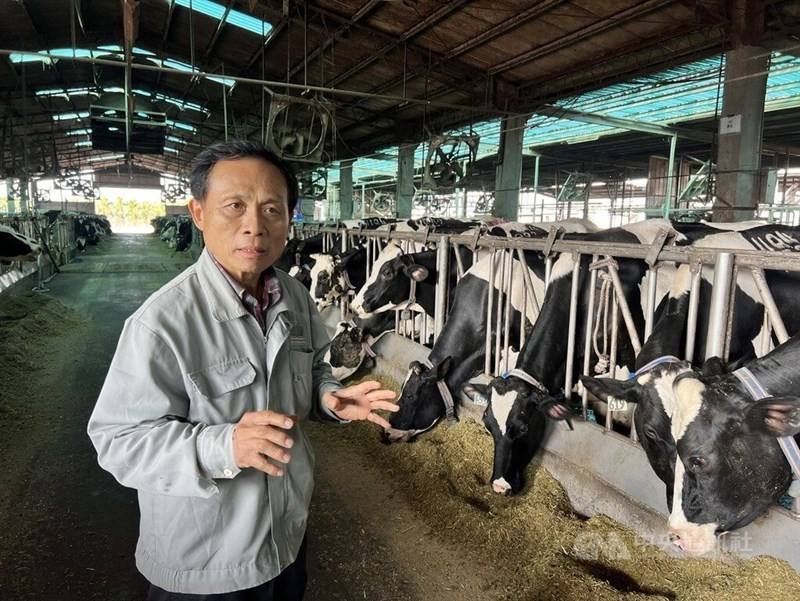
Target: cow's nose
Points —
{"points": [[676, 540], [501, 487]]}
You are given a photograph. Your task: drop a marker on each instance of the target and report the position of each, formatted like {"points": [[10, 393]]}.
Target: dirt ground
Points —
{"points": [[68, 530]]}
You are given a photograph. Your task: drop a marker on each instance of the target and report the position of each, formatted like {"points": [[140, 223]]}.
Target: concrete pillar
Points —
{"points": [[509, 169], [405, 180], [346, 190], [739, 148]]}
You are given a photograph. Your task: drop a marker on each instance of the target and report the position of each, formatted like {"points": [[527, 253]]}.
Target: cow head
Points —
{"points": [[515, 416], [393, 284], [730, 468], [346, 352], [652, 394], [421, 403], [713, 447], [517, 430], [324, 287], [389, 252]]}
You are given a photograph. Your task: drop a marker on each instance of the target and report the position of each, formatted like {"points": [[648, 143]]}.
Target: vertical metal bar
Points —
{"points": [[487, 369], [459, 262], [509, 283], [612, 356], [442, 252], [225, 108], [694, 304], [731, 310], [718, 311], [523, 316], [587, 344], [626, 312], [652, 286], [670, 168], [573, 318], [499, 319], [770, 308], [536, 186], [526, 276], [766, 334], [548, 269]]}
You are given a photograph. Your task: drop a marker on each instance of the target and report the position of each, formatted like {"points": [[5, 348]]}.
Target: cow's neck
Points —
{"points": [[668, 331], [550, 333], [777, 372]]}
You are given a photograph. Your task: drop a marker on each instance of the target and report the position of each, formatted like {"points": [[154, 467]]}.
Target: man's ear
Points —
{"points": [[776, 416], [608, 388], [196, 211]]}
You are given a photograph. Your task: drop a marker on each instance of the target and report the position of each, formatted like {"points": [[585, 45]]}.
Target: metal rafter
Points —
{"points": [[329, 40], [444, 11], [600, 26]]}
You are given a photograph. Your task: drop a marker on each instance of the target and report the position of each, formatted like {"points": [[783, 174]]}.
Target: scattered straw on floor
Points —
{"points": [[28, 325], [541, 548]]}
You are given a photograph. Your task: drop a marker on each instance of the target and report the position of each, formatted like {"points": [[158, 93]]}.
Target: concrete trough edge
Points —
{"points": [[605, 473]]}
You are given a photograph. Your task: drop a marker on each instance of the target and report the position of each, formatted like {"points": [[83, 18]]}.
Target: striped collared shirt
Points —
{"points": [[269, 288]]}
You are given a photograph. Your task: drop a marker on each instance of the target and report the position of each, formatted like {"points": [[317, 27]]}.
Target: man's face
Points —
{"points": [[244, 217]]}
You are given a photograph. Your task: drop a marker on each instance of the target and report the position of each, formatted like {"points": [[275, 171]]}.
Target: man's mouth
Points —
{"points": [[252, 251]]}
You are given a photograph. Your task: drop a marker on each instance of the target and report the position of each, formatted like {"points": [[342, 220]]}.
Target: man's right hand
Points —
{"points": [[261, 434]]}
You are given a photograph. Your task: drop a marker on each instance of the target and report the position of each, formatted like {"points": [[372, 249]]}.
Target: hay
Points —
{"points": [[541, 549], [28, 325]]}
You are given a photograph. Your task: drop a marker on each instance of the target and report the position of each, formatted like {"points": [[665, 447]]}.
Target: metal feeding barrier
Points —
{"points": [[56, 238], [607, 309]]}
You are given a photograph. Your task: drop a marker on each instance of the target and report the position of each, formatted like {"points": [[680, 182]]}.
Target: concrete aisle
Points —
{"points": [[69, 530]]}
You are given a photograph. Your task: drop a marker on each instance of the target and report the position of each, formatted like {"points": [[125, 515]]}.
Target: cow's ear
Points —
{"points": [[714, 366], [777, 416], [355, 334], [608, 388], [416, 272], [477, 393]]}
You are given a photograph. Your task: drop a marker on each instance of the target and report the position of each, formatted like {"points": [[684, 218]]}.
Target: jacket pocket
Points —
{"points": [[222, 378]]}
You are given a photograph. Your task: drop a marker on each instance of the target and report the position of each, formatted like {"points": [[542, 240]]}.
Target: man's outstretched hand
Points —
{"points": [[359, 402]]}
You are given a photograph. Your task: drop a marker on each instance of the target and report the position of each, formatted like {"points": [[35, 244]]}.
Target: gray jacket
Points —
{"points": [[189, 363]]}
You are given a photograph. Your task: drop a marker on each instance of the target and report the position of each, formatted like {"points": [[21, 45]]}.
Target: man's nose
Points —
{"points": [[253, 222]]}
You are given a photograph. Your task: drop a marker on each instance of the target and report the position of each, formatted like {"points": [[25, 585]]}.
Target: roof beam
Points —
{"points": [[600, 26], [218, 30], [445, 10], [328, 41]]}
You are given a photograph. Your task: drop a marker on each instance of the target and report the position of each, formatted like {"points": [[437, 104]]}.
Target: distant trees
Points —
{"points": [[129, 212]]}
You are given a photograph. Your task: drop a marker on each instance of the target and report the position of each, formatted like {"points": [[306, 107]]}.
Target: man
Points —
{"points": [[201, 406]]}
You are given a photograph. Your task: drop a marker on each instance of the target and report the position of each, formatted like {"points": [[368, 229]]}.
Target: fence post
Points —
{"points": [[442, 255], [720, 300]]}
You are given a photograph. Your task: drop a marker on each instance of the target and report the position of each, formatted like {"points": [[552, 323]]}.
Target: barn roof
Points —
{"points": [[418, 65]]}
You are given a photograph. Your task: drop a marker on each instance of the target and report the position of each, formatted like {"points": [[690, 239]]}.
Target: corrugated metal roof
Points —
{"points": [[684, 93]]}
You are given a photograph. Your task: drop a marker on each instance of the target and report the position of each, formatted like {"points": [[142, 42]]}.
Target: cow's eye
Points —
{"points": [[650, 433], [323, 275], [696, 462]]}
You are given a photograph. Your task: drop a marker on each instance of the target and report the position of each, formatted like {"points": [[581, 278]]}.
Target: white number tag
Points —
{"points": [[617, 404]]}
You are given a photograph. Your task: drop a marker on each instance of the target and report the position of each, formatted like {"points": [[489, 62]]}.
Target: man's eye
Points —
{"points": [[234, 205]]}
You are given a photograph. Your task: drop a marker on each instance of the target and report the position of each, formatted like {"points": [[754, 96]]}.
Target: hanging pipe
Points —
{"points": [[612, 356]]}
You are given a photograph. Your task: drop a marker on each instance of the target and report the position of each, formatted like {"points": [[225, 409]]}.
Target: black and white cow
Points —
{"points": [[351, 345], [15, 246], [459, 352], [518, 401], [661, 414]]}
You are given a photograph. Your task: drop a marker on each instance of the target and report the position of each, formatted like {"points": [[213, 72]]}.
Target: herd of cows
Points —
{"points": [[708, 436], [175, 230], [16, 246]]}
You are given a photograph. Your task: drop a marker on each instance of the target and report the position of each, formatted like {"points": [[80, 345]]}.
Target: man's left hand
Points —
{"points": [[359, 402]]}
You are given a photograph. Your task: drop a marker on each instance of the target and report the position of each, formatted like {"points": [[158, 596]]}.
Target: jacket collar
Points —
{"points": [[225, 306], [219, 294]]}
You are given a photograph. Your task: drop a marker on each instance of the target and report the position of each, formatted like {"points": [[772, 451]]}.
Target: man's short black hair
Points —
{"points": [[238, 149]]}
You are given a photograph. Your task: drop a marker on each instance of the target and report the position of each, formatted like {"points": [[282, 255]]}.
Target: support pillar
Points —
{"points": [[346, 190], [509, 170], [740, 128], [405, 180]]}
